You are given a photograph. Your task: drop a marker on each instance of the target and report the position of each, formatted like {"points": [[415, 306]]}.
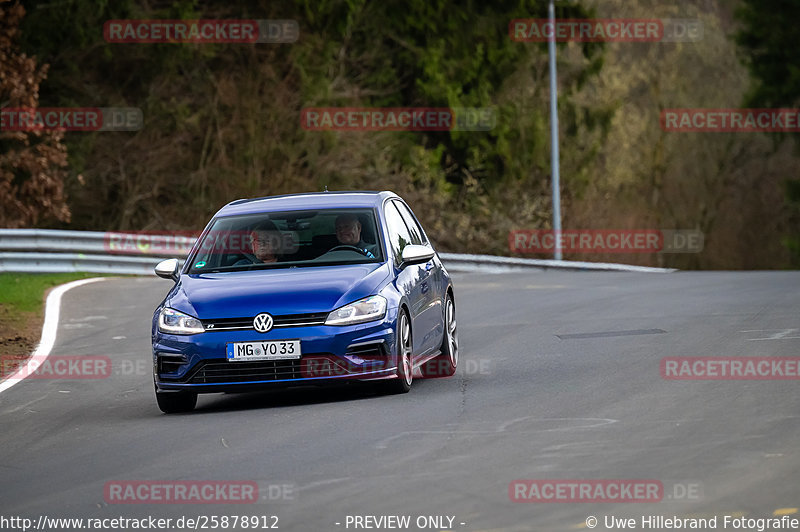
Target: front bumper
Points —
{"points": [[198, 362]]}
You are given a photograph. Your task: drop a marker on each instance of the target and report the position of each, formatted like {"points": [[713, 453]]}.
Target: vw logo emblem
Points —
{"points": [[263, 322]]}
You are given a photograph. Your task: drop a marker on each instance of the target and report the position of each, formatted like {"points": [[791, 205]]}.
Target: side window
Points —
{"points": [[399, 236], [417, 235]]}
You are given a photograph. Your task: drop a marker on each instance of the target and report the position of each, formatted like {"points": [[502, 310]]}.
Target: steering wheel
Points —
{"points": [[255, 260], [353, 248]]}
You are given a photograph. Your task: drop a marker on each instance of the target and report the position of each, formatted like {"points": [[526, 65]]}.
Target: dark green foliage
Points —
{"points": [[769, 42]]}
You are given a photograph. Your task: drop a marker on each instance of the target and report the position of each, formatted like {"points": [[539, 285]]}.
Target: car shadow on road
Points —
{"points": [[286, 397]]}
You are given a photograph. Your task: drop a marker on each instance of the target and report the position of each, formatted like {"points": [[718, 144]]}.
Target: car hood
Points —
{"points": [[277, 291]]}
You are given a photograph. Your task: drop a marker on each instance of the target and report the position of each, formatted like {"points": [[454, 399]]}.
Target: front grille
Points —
{"points": [[287, 320], [210, 372], [228, 324], [295, 320]]}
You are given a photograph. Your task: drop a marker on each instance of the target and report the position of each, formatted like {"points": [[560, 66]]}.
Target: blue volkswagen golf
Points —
{"points": [[304, 289]]}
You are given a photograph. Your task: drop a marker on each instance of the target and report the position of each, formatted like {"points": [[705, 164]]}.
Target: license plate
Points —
{"points": [[269, 350]]}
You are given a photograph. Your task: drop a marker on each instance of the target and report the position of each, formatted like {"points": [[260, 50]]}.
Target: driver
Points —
{"points": [[348, 232]]}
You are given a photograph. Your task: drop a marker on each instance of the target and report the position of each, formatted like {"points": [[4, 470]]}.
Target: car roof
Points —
{"points": [[306, 201]]}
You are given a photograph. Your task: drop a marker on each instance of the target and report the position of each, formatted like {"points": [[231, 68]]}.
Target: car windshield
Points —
{"points": [[322, 237]]}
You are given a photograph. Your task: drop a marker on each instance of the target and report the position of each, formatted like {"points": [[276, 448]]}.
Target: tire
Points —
{"points": [[176, 402], [445, 364], [402, 384]]}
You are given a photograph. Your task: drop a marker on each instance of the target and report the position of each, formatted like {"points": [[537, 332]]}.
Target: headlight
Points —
{"points": [[172, 321], [367, 309]]}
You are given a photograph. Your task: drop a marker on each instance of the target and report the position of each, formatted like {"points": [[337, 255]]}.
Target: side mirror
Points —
{"points": [[415, 254], [168, 269]]}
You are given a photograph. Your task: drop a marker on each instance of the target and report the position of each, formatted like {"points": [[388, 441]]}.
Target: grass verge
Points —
{"points": [[22, 310]]}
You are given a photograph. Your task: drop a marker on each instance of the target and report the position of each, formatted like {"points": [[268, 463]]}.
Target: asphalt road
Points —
{"points": [[538, 396]]}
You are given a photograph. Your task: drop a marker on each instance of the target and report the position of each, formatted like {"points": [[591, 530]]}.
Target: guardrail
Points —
{"points": [[492, 264], [52, 251]]}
